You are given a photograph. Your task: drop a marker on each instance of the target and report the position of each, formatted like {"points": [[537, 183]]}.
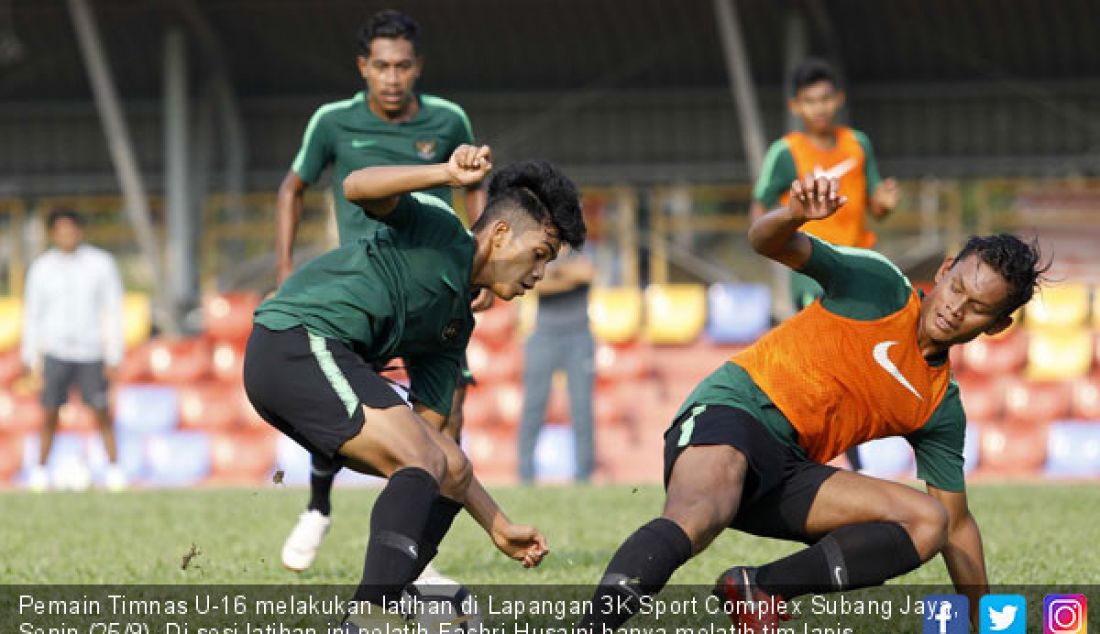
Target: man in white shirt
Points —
{"points": [[72, 333]]}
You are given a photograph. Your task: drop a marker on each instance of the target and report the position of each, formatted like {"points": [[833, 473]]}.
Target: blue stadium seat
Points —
{"points": [[292, 460], [177, 459], [68, 461], [131, 455], [1073, 450], [738, 313], [887, 457], [555, 456], [147, 408], [971, 446]]}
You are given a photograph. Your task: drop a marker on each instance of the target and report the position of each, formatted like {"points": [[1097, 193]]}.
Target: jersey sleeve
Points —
{"points": [[776, 174], [870, 165], [858, 283], [418, 212], [317, 149], [938, 445], [432, 380]]}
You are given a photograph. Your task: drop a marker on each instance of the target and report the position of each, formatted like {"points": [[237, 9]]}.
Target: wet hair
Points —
{"points": [[1018, 262], [391, 24], [811, 71], [63, 214], [539, 191]]}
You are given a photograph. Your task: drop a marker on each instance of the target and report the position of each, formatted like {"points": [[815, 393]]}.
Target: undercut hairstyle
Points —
{"points": [[64, 214], [537, 191], [391, 24], [1018, 262], [811, 71]]}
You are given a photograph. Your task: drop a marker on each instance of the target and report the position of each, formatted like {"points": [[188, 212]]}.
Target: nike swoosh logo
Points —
{"points": [[839, 579], [883, 360], [362, 143], [837, 171], [412, 550]]}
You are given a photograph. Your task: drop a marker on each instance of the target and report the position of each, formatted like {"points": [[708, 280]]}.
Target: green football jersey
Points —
{"points": [[402, 292], [347, 135]]}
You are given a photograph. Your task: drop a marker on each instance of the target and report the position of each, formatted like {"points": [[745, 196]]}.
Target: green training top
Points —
{"points": [[861, 285], [402, 292], [350, 137]]}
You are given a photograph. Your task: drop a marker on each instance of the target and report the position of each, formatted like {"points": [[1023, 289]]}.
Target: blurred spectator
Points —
{"points": [[73, 333], [561, 341]]}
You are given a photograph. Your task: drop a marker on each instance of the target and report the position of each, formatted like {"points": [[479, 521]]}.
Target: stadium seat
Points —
{"points": [[1013, 448], [1055, 355], [247, 414], [1006, 353], [76, 416], [227, 362], [609, 406], [738, 313], [492, 451], [135, 366], [292, 460], [982, 396], [675, 313], [557, 406], [497, 326], [1086, 399], [1057, 306], [555, 454], [509, 398], [177, 459], [20, 411], [137, 319], [687, 365], [131, 455], [887, 457], [480, 408], [243, 456], [625, 362], [180, 360], [11, 367], [11, 455], [1073, 450], [11, 322], [1028, 401], [209, 405], [615, 313], [494, 364], [971, 446], [228, 317], [147, 408]]}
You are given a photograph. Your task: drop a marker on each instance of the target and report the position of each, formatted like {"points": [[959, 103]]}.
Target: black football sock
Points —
{"points": [[850, 557], [641, 566], [321, 476], [440, 518], [396, 523]]}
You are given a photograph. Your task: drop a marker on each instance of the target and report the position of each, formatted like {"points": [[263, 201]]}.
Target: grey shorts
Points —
{"points": [[58, 377]]}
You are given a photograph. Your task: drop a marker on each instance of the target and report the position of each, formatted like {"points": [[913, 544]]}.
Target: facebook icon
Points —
{"points": [[946, 614]]}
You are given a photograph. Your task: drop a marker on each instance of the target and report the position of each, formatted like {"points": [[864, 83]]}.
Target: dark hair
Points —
{"points": [[63, 214], [543, 193], [391, 24], [1018, 262], [811, 71]]}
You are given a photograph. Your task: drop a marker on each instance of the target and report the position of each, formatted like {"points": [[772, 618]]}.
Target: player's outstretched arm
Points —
{"points": [[963, 551], [775, 234], [377, 189]]}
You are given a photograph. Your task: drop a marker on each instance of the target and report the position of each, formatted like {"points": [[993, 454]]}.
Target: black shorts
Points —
{"points": [[780, 485], [58, 377], [311, 388]]}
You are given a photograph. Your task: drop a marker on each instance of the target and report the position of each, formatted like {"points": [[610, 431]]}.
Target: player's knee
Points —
{"points": [[427, 457], [459, 473], [927, 526]]}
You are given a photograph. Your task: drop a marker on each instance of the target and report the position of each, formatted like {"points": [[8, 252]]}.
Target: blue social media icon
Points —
{"points": [[946, 614], [1003, 614]]}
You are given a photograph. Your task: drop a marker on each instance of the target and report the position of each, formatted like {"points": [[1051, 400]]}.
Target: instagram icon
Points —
{"points": [[1065, 614]]}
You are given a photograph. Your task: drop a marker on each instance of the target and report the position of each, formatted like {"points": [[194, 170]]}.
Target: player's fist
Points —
{"points": [[469, 164], [815, 198], [523, 543]]}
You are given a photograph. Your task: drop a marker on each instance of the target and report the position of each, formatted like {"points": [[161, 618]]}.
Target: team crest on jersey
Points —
{"points": [[425, 148], [450, 331]]}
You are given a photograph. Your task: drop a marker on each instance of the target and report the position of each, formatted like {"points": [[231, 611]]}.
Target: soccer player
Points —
{"points": [[387, 124], [405, 291], [833, 151], [748, 446]]}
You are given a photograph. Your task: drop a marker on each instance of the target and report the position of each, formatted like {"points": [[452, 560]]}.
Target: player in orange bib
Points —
{"points": [[869, 359]]}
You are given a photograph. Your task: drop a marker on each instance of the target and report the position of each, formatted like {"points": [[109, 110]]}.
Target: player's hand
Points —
{"points": [[815, 198], [886, 197], [469, 165], [482, 301], [523, 543]]}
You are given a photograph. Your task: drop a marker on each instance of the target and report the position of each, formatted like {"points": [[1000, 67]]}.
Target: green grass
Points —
{"points": [[1034, 534]]}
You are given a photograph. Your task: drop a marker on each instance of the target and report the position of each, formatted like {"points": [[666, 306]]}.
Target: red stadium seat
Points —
{"points": [[1086, 398], [997, 355], [179, 360], [494, 364], [209, 406], [497, 326], [228, 317], [135, 366], [248, 416], [244, 456], [982, 397], [11, 367], [509, 399], [227, 361], [20, 412], [492, 451], [1013, 449], [480, 408], [624, 362], [11, 454], [557, 406], [1037, 401], [612, 404]]}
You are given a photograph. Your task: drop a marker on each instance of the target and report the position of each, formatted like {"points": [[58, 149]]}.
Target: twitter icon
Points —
{"points": [[1003, 614]]}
